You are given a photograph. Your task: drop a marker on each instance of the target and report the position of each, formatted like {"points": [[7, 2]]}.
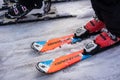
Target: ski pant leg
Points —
{"points": [[108, 11]]}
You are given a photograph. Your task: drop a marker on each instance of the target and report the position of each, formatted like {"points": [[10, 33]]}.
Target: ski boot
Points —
{"points": [[92, 27], [16, 11], [102, 41]]}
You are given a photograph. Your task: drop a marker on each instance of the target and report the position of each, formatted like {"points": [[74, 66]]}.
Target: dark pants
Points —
{"points": [[108, 11]]}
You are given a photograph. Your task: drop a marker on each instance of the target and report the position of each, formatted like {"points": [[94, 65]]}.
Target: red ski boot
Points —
{"points": [[91, 27], [101, 42]]}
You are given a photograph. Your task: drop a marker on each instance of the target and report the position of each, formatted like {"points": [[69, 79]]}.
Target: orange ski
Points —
{"points": [[43, 46], [54, 65]]}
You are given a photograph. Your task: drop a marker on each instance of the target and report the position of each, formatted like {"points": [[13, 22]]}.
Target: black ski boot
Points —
{"points": [[16, 11]]}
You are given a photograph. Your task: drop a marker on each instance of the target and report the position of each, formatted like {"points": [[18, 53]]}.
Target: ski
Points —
{"points": [[32, 18], [51, 44], [47, 45], [54, 65], [35, 17], [57, 64]]}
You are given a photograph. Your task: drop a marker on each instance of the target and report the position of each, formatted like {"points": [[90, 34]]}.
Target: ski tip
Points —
{"points": [[38, 45], [44, 66], [39, 69], [33, 47]]}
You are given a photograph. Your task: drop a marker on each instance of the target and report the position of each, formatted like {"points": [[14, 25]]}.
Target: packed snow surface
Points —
{"points": [[18, 60]]}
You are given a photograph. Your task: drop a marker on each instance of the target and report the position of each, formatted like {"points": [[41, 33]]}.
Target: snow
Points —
{"points": [[18, 60]]}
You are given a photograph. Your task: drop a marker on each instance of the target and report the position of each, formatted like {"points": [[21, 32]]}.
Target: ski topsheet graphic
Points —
{"points": [[53, 14], [47, 45], [54, 65], [43, 46]]}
